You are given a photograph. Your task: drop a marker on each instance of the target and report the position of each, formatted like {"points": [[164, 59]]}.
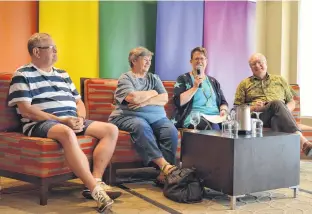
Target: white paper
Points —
{"points": [[214, 118]]}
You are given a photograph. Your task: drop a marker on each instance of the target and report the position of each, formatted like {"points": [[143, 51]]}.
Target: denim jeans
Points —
{"points": [[151, 141]]}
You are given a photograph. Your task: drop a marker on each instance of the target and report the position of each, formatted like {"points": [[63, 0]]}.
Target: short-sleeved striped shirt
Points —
{"points": [[52, 92]]}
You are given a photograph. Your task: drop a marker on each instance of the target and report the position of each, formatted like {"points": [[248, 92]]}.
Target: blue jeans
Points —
{"points": [[151, 141]]}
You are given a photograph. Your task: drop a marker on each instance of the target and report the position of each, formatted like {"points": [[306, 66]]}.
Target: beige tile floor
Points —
{"points": [[21, 198]]}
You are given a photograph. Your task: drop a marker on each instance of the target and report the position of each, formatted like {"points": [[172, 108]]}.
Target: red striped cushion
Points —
{"points": [[8, 117], [296, 112], [99, 98], [40, 157], [169, 107]]}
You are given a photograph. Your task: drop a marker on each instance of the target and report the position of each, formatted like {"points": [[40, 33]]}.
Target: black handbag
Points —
{"points": [[183, 185]]}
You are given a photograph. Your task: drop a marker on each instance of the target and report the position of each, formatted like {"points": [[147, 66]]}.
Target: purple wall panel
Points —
{"points": [[179, 30], [229, 36]]}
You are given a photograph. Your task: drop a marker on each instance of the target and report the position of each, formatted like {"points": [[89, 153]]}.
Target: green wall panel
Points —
{"points": [[123, 26]]}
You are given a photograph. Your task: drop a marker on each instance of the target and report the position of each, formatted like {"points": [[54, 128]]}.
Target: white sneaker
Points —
{"points": [[108, 189], [104, 202], [105, 186]]}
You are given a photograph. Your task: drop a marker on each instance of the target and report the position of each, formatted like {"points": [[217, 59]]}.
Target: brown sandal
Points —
{"points": [[307, 148], [160, 180], [165, 170]]}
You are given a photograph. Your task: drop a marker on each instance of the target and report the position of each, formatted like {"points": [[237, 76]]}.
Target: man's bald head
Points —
{"points": [[258, 65]]}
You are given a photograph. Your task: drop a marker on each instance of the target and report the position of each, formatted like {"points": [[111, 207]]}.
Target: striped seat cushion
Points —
{"points": [[35, 156], [296, 112], [169, 107], [99, 98], [8, 117]]}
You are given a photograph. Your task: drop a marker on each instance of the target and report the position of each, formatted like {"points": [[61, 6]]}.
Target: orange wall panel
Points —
{"points": [[18, 21]]}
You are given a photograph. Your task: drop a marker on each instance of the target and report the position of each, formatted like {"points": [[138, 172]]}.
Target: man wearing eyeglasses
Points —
{"points": [[271, 95], [50, 107], [197, 92]]}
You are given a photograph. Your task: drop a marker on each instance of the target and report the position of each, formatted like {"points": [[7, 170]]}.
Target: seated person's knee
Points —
{"points": [[63, 133], [141, 126], [113, 130], [277, 103]]}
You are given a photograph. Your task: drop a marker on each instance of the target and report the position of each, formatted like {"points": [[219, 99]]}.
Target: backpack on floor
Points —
{"points": [[183, 185]]}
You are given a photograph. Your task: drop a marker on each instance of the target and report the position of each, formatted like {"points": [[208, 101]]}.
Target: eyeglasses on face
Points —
{"points": [[53, 47], [255, 63], [199, 59]]}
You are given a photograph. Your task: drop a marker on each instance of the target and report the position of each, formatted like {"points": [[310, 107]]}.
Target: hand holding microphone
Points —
{"points": [[198, 78]]}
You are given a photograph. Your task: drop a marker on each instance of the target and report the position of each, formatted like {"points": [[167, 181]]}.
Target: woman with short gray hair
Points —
{"points": [[140, 98]]}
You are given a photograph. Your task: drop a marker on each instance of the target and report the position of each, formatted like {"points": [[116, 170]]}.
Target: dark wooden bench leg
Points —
{"points": [[44, 190]]}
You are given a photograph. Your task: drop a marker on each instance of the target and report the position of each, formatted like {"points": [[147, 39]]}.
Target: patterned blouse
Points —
{"points": [[184, 83]]}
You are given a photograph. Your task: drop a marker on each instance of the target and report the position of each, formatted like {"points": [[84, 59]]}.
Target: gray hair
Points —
{"points": [[35, 40], [135, 53]]}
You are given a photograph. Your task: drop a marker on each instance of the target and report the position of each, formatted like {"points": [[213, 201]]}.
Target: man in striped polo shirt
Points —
{"points": [[50, 107]]}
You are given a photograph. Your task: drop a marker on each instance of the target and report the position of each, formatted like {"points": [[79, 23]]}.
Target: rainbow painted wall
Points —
{"points": [[94, 37]]}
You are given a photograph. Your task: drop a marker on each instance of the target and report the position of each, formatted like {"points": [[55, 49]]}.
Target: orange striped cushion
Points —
{"points": [[8, 117], [99, 98], [296, 112], [40, 157], [308, 135], [169, 107]]}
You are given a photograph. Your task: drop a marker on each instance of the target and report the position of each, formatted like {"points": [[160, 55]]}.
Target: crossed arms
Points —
{"points": [[137, 99]]}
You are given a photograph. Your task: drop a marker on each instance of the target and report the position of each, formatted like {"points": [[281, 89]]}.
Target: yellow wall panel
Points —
{"points": [[74, 27]]}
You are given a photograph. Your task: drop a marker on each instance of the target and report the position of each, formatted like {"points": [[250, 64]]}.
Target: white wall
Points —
{"points": [[277, 38]]}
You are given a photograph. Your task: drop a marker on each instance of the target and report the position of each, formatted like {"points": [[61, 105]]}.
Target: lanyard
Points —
{"points": [[209, 88]]}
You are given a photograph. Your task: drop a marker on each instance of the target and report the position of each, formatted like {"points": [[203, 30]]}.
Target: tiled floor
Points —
{"points": [[21, 198]]}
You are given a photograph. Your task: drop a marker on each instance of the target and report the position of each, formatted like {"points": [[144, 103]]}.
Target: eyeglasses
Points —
{"points": [[255, 63], [200, 59], [52, 47]]}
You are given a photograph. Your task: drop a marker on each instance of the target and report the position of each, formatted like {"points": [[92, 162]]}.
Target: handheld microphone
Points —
{"points": [[198, 73]]}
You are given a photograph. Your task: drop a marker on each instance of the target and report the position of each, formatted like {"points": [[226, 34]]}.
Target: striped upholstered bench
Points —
{"points": [[98, 96], [306, 130], [36, 160]]}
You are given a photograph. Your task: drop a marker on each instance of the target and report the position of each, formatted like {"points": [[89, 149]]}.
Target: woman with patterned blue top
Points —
{"points": [[197, 92]]}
